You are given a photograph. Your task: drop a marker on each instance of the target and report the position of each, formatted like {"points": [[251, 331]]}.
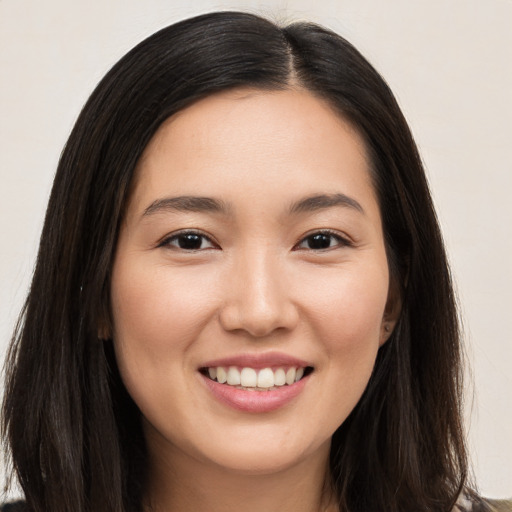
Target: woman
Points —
{"points": [[241, 296]]}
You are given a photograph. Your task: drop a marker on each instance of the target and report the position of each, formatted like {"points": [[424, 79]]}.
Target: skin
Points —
{"points": [[253, 285]]}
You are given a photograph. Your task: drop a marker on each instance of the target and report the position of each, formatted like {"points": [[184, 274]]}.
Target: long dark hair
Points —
{"points": [[73, 431]]}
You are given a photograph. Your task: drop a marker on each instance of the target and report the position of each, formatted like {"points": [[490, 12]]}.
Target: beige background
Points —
{"points": [[450, 65]]}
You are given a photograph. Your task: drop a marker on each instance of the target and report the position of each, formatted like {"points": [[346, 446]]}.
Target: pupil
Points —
{"points": [[319, 241], [190, 242]]}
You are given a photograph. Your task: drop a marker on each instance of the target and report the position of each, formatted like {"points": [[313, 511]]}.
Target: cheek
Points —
{"points": [[157, 315], [160, 306], [348, 308], [347, 314]]}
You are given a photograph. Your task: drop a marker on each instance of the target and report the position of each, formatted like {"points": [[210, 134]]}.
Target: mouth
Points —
{"points": [[256, 379], [257, 383]]}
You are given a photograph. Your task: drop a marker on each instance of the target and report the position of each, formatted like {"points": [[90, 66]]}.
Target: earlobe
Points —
{"points": [[104, 334], [391, 313], [104, 323], [386, 330], [104, 330]]}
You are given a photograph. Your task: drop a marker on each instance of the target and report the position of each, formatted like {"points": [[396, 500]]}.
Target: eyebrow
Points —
{"points": [[209, 204], [324, 201], [186, 204]]}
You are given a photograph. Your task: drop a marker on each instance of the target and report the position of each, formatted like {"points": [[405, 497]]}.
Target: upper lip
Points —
{"points": [[257, 361]]}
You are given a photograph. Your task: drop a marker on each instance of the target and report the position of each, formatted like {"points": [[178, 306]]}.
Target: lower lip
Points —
{"points": [[255, 401]]}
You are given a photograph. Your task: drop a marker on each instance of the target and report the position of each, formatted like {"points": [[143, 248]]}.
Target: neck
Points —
{"points": [[180, 483]]}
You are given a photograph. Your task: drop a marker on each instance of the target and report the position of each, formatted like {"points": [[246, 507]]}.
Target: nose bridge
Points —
{"points": [[257, 298]]}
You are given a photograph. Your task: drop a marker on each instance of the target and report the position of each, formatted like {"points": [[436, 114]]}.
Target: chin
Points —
{"points": [[261, 453], [259, 463]]}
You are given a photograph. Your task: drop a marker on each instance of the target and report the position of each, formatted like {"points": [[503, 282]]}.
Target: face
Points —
{"points": [[252, 250]]}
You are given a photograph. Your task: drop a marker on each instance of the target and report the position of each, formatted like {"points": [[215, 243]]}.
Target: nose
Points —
{"points": [[257, 298]]}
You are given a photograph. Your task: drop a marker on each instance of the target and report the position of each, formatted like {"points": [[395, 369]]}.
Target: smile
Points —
{"points": [[253, 379], [256, 383]]}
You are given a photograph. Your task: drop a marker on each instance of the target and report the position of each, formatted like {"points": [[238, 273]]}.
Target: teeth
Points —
{"points": [[290, 376], [233, 376], [279, 377], [221, 375], [248, 378], [264, 379]]}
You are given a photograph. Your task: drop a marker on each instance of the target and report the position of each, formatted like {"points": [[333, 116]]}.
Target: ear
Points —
{"points": [[104, 327], [103, 318], [391, 312], [104, 333]]}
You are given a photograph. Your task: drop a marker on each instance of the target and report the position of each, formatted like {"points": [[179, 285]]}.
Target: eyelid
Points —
{"points": [[344, 240], [165, 241]]}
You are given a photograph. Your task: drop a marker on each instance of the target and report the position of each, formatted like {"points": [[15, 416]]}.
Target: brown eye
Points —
{"points": [[322, 241], [188, 241]]}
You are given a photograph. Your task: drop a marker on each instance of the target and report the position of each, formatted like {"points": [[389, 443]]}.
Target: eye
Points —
{"points": [[188, 241], [321, 241]]}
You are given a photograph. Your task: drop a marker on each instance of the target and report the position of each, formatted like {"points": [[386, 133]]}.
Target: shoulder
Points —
{"points": [[499, 505], [467, 504]]}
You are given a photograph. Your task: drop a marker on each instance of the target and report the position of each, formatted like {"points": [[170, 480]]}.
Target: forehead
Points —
{"points": [[254, 140]]}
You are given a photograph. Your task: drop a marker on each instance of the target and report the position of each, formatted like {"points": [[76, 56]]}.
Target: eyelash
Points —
{"points": [[167, 242], [340, 241]]}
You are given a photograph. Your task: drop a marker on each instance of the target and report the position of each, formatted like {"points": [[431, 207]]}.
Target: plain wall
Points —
{"points": [[450, 66]]}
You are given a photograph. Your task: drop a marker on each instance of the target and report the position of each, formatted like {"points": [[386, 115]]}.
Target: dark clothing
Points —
{"points": [[464, 506], [16, 506]]}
